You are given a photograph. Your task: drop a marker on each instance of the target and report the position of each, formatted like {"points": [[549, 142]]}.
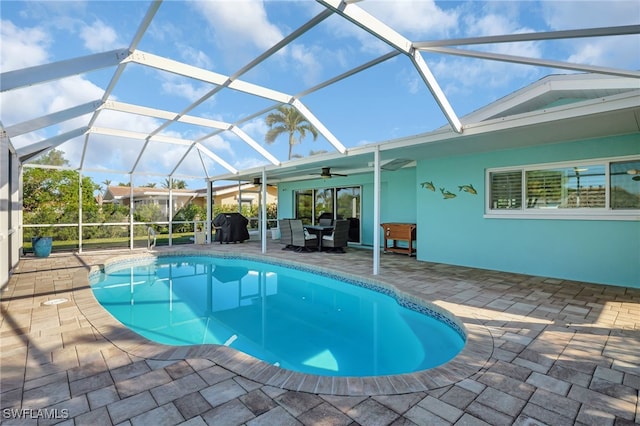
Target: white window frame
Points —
{"points": [[586, 213]]}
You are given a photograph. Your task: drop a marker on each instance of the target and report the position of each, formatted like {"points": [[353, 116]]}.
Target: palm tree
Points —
{"points": [[288, 120], [176, 184], [107, 183]]}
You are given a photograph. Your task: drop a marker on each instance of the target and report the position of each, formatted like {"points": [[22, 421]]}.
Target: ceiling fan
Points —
{"points": [[635, 173], [326, 173]]}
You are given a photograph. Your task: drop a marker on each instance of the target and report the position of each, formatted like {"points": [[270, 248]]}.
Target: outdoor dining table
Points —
{"points": [[319, 230]]}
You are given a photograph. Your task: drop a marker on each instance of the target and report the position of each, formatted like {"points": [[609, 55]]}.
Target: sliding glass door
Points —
{"points": [[331, 203]]}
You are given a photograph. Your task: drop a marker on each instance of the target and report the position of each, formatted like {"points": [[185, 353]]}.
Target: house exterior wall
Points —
{"points": [[397, 204], [231, 197], [454, 231]]}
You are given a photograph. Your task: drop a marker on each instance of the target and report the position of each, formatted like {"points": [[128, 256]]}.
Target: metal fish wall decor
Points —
{"points": [[429, 186], [447, 194], [468, 188]]}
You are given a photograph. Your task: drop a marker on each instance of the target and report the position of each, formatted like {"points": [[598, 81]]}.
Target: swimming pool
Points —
{"points": [[290, 317]]}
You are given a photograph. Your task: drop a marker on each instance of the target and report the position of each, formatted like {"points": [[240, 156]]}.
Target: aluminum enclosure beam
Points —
{"points": [[24, 77], [532, 61], [49, 143], [319, 126], [547, 35], [52, 119], [385, 33]]}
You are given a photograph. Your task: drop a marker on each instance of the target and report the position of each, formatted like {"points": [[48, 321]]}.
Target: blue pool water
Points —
{"points": [[293, 318]]}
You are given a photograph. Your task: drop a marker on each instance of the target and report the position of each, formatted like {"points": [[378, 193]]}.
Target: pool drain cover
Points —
{"points": [[55, 301]]}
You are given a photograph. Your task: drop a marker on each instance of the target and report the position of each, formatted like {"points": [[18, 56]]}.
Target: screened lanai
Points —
{"points": [[154, 92]]}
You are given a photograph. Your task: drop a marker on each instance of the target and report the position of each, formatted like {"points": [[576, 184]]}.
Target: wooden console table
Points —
{"points": [[395, 232]]}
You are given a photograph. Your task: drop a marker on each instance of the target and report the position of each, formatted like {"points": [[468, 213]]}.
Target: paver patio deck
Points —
{"points": [[544, 351]]}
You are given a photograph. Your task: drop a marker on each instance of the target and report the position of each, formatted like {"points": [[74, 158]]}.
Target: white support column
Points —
{"points": [[5, 211], [209, 210], [79, 212], [376, 210], [263, 210], [131, 211], [170, 213]]}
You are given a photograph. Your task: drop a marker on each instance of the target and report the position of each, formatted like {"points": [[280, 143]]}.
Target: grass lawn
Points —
{"points": [[107, 243]]}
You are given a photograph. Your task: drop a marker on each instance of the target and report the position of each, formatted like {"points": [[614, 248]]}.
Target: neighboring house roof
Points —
{"points": [[119, 192]]}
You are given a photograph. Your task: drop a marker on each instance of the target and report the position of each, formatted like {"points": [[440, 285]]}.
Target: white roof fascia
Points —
{"points": [[616, 102], [546, 35], [385, 33], [319, 126], [51, 119], [51, 142], [558, 82], [532, 61], [253, 144], [562, 112], [11, 80], [215, 158]]}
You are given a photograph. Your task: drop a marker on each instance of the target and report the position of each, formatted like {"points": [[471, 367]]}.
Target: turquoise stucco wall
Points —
{"points": [[454, 231]]}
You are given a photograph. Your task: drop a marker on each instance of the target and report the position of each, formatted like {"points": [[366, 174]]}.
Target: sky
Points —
{"points": [[382, 103]]}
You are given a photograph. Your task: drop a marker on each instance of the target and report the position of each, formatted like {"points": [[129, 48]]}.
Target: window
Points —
{"points": [[609, 188], [625, 184]]}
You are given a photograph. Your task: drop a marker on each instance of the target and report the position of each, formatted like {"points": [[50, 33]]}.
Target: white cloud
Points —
{"points": [[184, 89], [256, 128], [562, 15], [240, 23], [610, 52], [99, 37], [195, 57], [417, 18], [22, 47]]}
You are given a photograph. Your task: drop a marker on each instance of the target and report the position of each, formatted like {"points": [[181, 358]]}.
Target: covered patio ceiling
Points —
{"points": [[202, 138]]}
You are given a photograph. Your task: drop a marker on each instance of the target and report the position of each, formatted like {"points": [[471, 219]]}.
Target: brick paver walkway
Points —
{"points": [[543, 351]]}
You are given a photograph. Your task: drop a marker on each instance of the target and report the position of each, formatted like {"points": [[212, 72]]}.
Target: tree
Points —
{"points": [[106, 183], [51, 196], [176, 184], [288, 120]]}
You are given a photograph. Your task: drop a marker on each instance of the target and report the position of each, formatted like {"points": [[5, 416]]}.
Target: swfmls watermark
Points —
{"points": [[33, 413]]}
